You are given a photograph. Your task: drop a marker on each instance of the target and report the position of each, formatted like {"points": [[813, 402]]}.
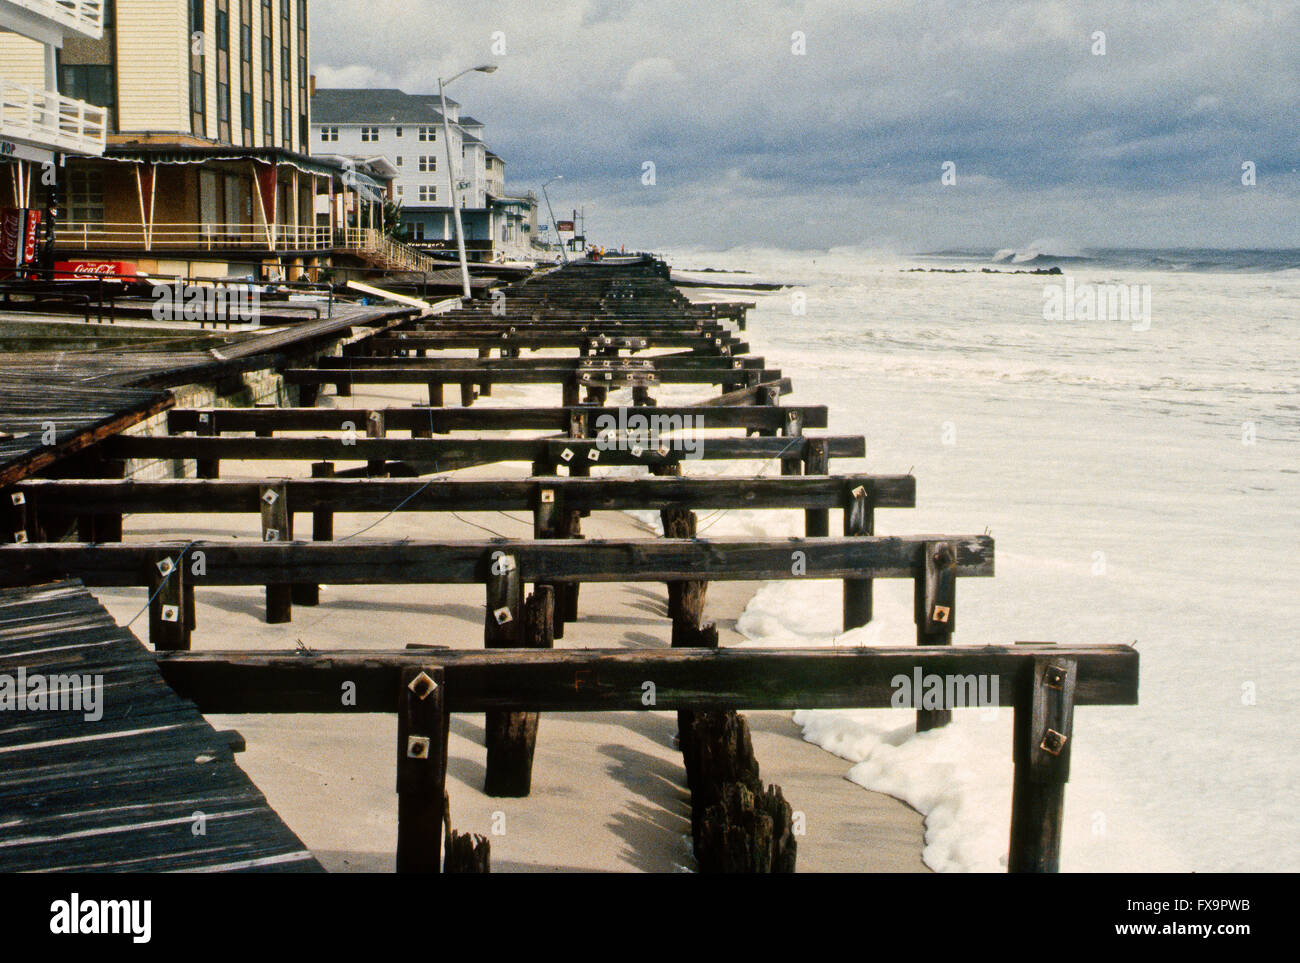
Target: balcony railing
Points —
{"points": [[85, 17], [88, 235], [47, 119]]}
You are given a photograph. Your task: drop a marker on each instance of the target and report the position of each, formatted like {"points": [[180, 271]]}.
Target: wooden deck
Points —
{"points": [[86, 396], [148, 787]]}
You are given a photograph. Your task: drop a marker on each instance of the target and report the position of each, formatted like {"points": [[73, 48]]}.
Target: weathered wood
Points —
{"points": [[277, 527], [375, 429], [859, 521], [322, 530], [662, 490], [1043, 730], [583, 680], [816, 462], [735, 825], [480, 419], [411, 561], [503, 628], [935, 598], [511, 737], [453, 452], [468, 853], [169, 627], [422, 730], [793, 428], [145, 784]]}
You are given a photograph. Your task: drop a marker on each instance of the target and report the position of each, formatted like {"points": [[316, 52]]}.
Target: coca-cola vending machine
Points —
{"points": [[19, 229]]}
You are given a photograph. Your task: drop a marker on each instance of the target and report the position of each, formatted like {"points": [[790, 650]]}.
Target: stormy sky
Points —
{"points": [[755, 144]]}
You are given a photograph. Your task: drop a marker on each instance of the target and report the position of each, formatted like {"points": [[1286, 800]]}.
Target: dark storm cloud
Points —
{"points": [[754, 143]]}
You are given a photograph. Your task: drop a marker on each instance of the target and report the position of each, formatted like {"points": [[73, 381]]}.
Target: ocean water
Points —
{"points": [[1142, 480]]}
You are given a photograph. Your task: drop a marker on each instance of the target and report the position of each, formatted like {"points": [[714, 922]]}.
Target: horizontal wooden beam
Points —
{"points": [[408, 375], [586, 680], [701, 362], [196, 496], [412, 561], [442, 420], [449, 452]]}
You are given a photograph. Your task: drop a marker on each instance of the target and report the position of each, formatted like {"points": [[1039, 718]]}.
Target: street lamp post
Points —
{"points": [[554, 226], [451, 176]]}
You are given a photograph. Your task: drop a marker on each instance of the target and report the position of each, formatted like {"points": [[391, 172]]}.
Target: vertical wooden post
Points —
{"points": [[422, 728], [209, 468], [1043, 727], [769, 396], [16, 526], [322, 530], [935, 605], [485, 387], [343, 387], [503, 629], [468, 391], [375, 467], [550, 520], [570, 393], [816, 521], [307, 395], [435, 394], [512, 736], [277, 526], [859, 519], [169, 628], [792, 460]]}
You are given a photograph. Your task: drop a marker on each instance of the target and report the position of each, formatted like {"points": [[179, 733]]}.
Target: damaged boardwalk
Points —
{"points": [[585, 332]]}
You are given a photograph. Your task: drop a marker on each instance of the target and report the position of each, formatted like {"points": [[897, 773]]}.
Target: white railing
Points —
{"points": [[371, 241], [47, 119], [193, 237], [86, 17]]}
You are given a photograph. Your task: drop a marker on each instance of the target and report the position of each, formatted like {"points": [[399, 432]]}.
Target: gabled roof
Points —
{"points": [[363, 105]]}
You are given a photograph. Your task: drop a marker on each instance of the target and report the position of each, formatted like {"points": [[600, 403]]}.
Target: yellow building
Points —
{"points": [[205, 170]]}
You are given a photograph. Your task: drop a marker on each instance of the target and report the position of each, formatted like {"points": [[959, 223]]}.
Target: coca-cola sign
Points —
{"points": [[95, 269]]}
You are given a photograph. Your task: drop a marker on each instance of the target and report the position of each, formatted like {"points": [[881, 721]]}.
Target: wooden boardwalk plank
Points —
{"points": [[133, 780]]}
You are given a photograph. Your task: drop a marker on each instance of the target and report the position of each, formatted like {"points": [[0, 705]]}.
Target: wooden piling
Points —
{"points": [[1043, 729], [816, 521], [859, 519], [322, 530], [210, 468], [277, 526], [506, 733], [169, 628], [512, 736], [422, 729], [935, 609]]}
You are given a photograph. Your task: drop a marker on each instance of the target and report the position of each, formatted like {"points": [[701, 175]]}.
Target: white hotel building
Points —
{"points": [[406, 130]]}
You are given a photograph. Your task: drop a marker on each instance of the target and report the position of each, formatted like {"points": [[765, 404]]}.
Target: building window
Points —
{"points": [[85, 195], [428, 163], [428, 192], [246, 70], [399, 190], [399, 160], [329, 134], [268, 74], [397, 132], [198, 80], [429, 134], [223, 72], [369, 135]]}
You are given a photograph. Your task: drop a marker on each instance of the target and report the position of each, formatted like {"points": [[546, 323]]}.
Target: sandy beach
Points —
{"points": [[608, 789]]}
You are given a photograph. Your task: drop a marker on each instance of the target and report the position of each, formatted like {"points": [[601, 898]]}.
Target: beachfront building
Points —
{"points": [[37, 122], [407, 130], [205, 170]]}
